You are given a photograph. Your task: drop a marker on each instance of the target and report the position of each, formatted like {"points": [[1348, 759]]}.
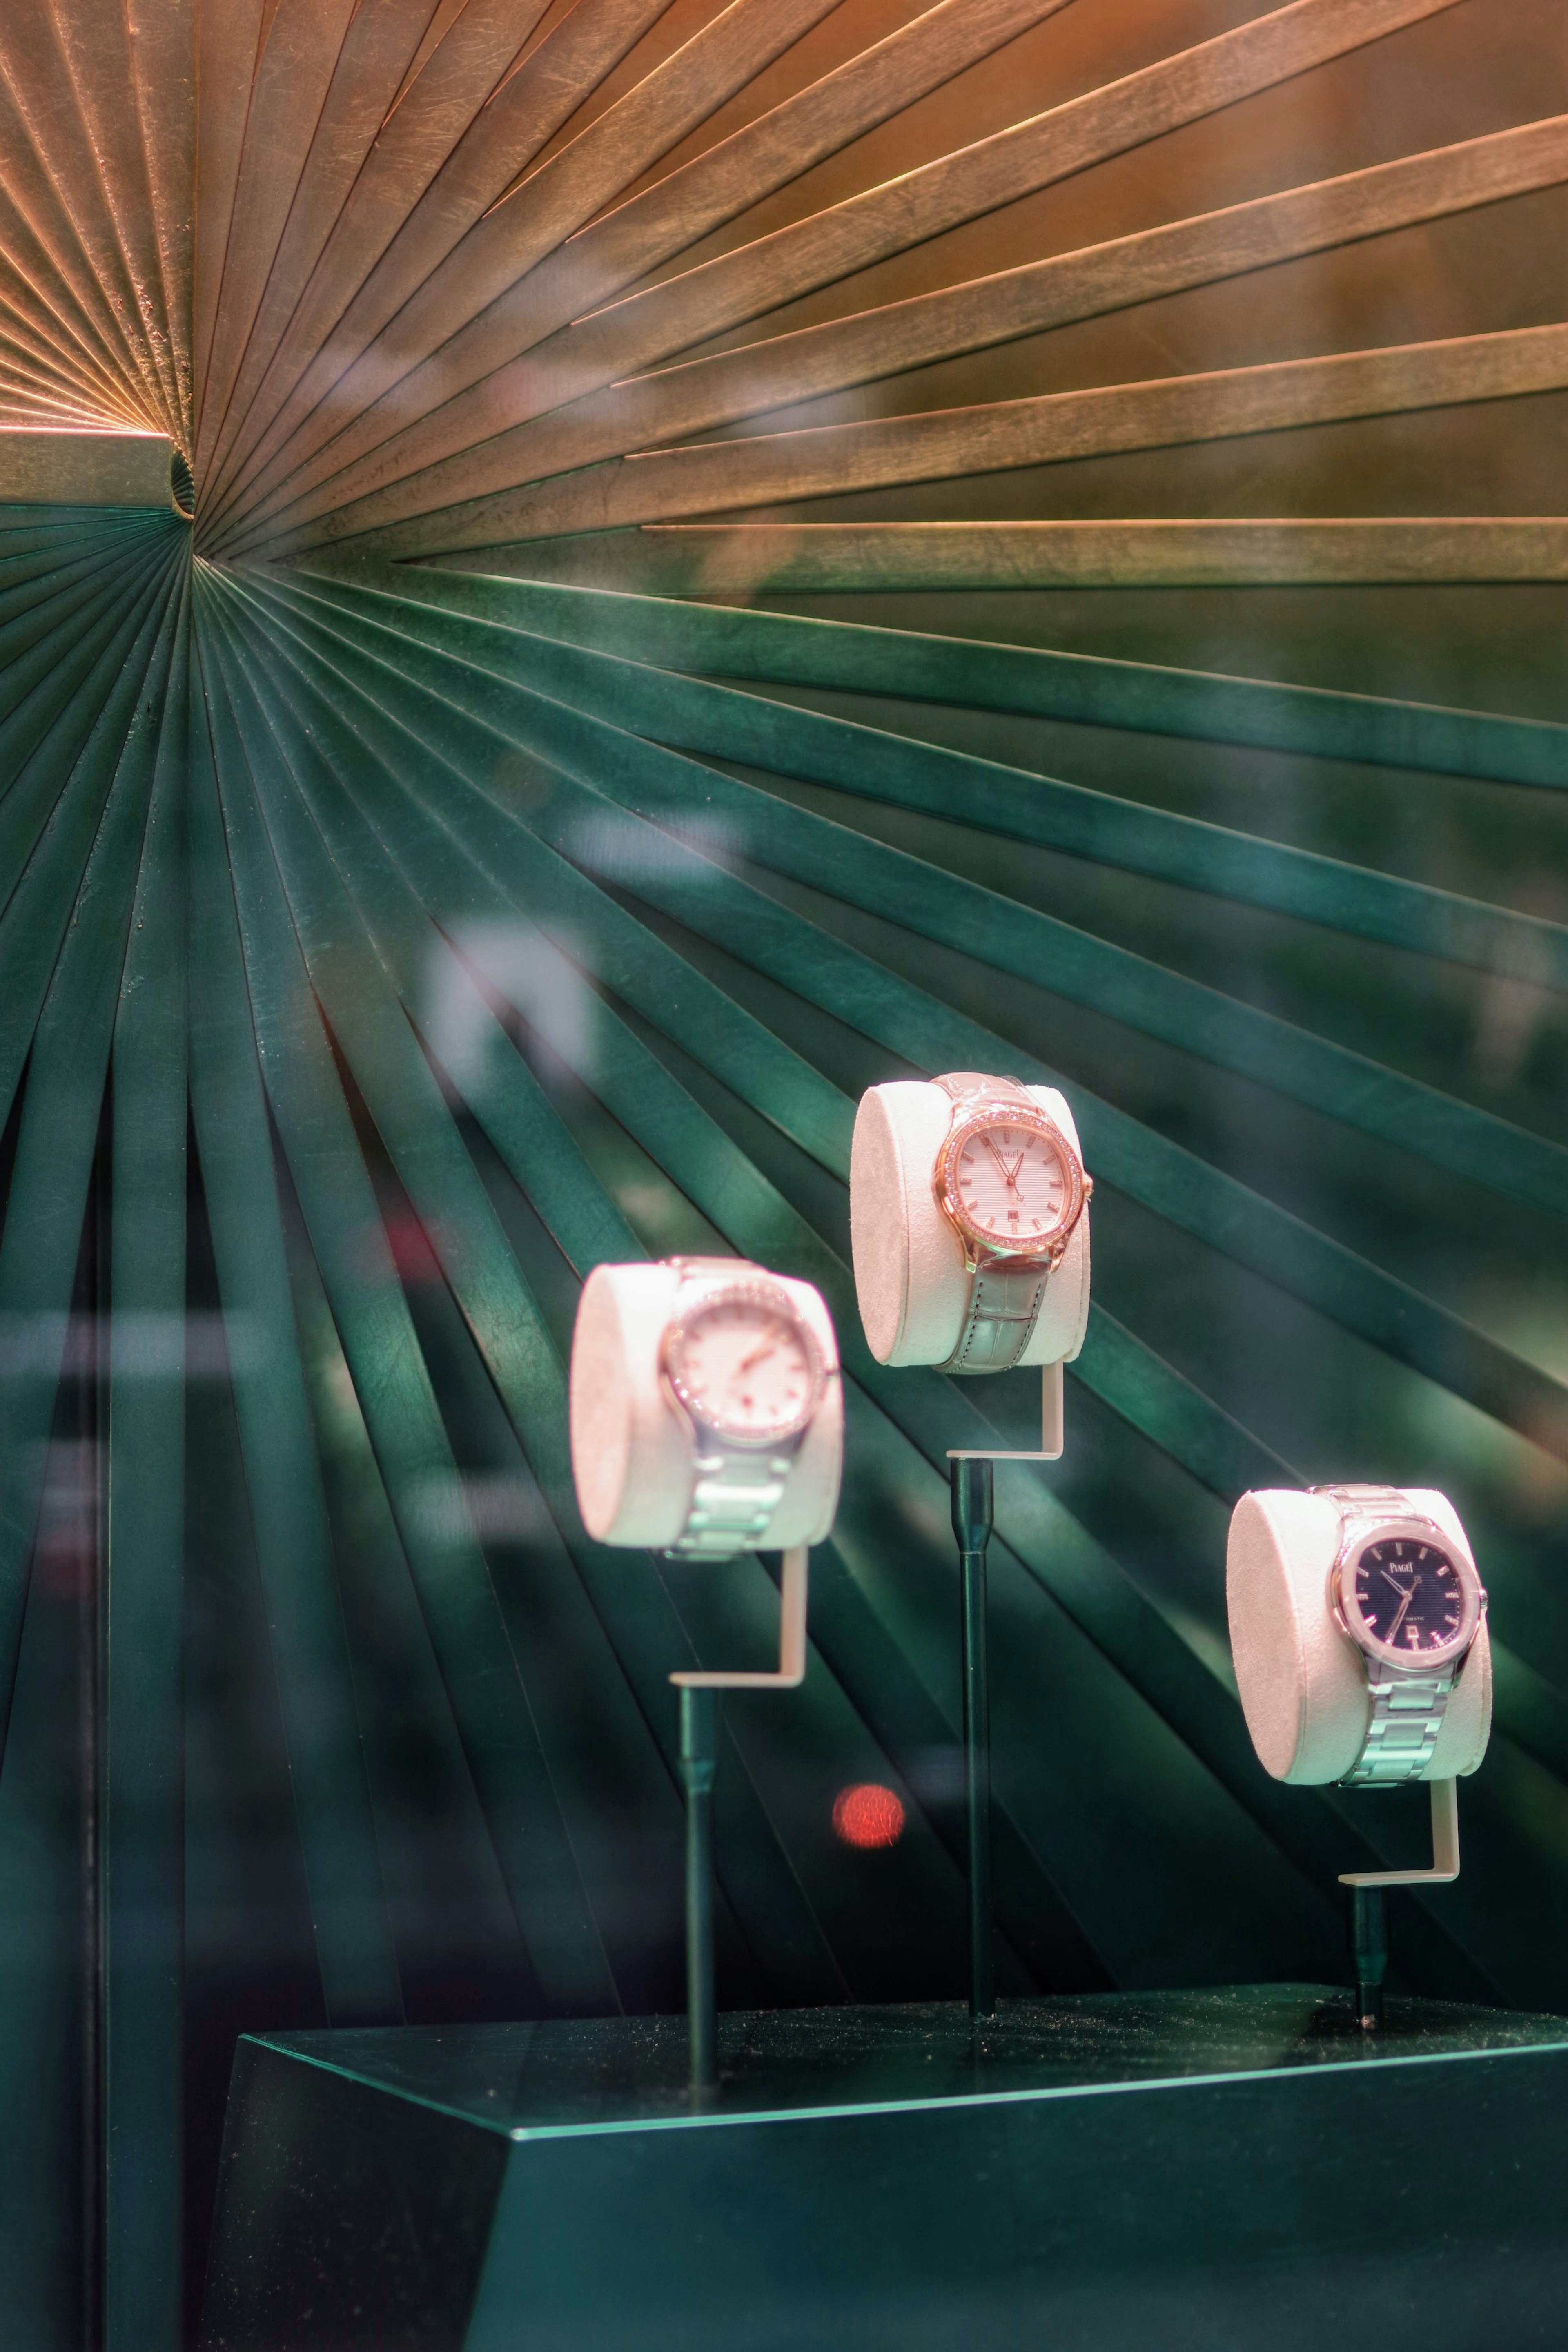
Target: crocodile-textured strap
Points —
{"points": [[1004, 1308]]}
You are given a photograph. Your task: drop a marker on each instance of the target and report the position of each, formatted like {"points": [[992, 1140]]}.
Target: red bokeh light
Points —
{"points": [[868, 1815]]}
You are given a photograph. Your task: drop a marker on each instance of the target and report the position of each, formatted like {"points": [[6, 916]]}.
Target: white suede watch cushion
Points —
{"points": [[630, 1448], [910, 1281], [1303, 1681]]}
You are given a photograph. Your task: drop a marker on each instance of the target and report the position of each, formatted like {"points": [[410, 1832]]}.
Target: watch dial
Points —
{"points": [[1012, 1185], [746, 1368], [1409, 1595]]}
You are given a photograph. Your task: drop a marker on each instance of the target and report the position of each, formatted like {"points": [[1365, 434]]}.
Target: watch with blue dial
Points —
{"points": [[1408, 1598]]}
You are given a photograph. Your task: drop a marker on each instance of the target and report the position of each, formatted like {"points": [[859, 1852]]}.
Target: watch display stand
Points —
{"points": [[634, 1469], [872, 2176], [913, 1288], [1302, 1685], [1369, 1902], [910, 1279], [699, 1769], [632, 1446]]}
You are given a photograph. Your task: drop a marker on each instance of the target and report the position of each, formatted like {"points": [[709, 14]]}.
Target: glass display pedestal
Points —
{"points": [[1240, 2166]]}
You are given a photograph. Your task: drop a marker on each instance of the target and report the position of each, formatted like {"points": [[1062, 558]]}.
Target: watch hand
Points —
{"points": [[1393, 1632], [1010, 1173], [759, 1355], [1393, 1582], [996, 1156]]}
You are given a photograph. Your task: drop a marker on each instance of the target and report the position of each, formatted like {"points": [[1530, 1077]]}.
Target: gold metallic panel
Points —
{"points": [[768, 468], [673, 212], [565, 190], [226, 61], [52, 177], [532, 105], [430, 115], [865, 229], [710, 392], [426, 277], [376, 52], [84, 469], [93, 54], [791, 559], [163, 39], [286, 98]]}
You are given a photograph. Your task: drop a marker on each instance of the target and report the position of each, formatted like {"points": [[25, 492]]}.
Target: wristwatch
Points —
{"points": [[747, 1374], [1411, 1604], [1012, 1187]]}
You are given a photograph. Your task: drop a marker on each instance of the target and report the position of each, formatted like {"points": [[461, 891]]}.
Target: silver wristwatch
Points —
{"points": [[1012, 1187], [1411, 1602], [747, 1373]]}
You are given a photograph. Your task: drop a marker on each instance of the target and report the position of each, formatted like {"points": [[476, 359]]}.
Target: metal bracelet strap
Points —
{"points": [[734, 1493], [1407, 1709], [733, 1503], [1406, 1716]]}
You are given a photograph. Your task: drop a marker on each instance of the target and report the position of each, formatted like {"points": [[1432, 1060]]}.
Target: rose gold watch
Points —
{"points": [[1012, 1187]]}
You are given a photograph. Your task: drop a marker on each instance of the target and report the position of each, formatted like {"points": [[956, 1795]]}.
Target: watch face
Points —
{"points": [[745, 1364], [1411, 1598], [1011, 1183]]}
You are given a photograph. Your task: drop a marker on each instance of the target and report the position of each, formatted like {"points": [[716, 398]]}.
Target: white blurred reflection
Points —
{"points": [[522, 967], [497, 1507], [138, 1346]]}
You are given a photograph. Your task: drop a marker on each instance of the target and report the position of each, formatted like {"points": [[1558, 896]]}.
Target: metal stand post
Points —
{"points": [[972, 1522], [1369, 1906], [1369, 1952], [973, 1517], [699, 1761], [699, 1764]]}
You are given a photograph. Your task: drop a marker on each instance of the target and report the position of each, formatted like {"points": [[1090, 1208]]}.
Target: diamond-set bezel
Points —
{"points": [[1042, 1250], [767, 1297]]}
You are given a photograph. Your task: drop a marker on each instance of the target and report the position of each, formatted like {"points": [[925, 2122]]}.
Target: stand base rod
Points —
{"points": [[699, 1765], [973, 1510], [1369, 1953]]}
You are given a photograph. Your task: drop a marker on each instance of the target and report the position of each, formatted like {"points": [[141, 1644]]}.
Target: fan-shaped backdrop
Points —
{"points": [[581, 582]]}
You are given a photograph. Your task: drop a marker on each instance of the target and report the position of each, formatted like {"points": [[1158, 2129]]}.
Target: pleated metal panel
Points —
{"points": [[718, 554]]}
